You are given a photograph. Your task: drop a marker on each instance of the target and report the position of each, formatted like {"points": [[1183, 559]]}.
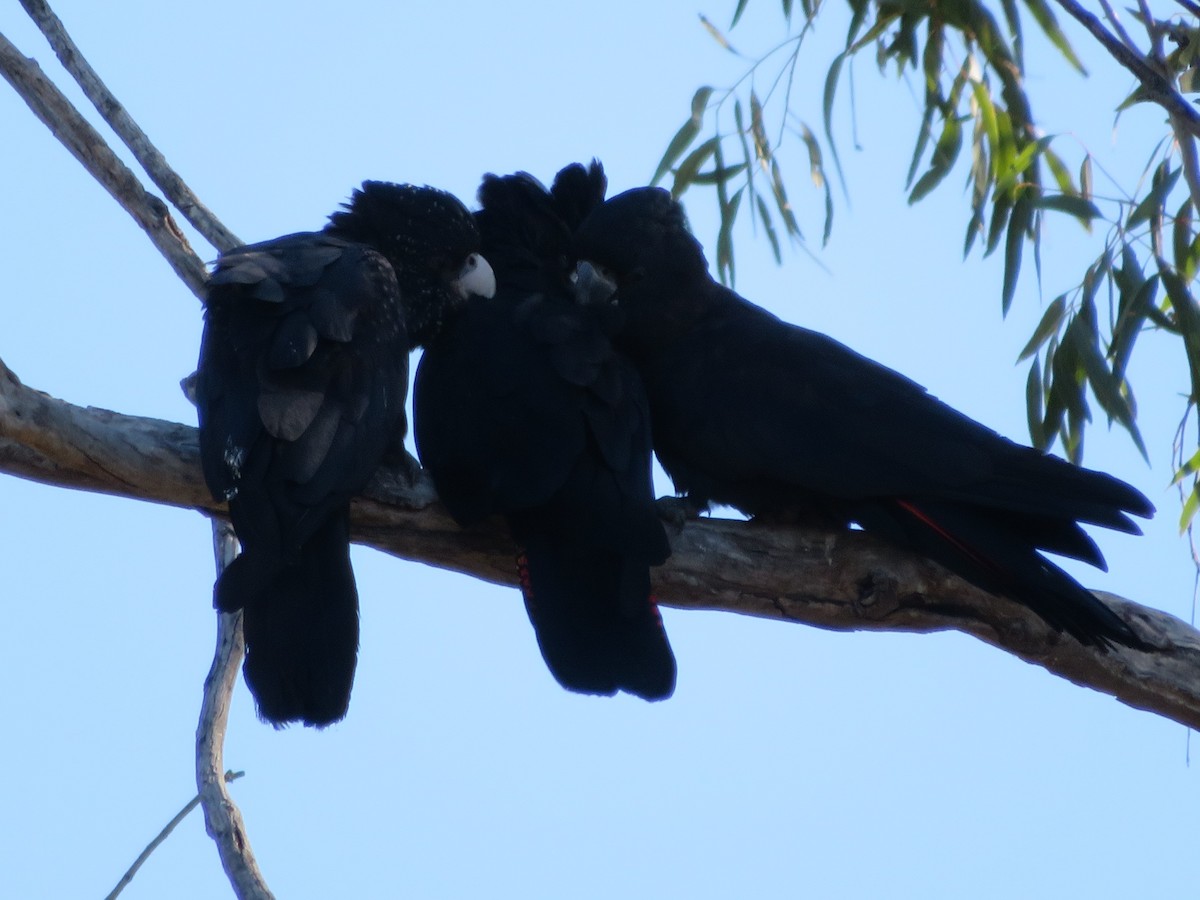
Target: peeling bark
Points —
{"points": [[844, 581]]}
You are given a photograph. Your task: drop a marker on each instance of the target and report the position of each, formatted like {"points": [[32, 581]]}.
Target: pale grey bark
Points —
{"points": [[838, 580]]}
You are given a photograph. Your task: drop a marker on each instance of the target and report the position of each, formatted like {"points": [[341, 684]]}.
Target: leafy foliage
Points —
{"points": [[969, 58]]}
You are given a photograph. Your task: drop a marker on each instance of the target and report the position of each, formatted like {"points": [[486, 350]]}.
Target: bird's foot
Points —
{"points": [[401, 478], [675, 511]]}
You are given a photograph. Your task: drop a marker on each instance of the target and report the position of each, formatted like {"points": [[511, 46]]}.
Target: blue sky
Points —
{"points": [[791, 762]]}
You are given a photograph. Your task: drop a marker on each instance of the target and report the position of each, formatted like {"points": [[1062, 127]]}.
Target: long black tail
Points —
{"points": [[301, 626], [1000, 552], [596, 622]]}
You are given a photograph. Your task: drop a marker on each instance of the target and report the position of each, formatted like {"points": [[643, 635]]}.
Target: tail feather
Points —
{"points": [[1001, 556], [1028, 482], [301, 627], [596, 622]]}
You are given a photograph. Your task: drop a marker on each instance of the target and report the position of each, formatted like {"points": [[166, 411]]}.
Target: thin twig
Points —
{"points": [[1154, 84], [1154, 32], [155, 164], [162, 836], [86, 145], [1114, 20], [222, 818]]}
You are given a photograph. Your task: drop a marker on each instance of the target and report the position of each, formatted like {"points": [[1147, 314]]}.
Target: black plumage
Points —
{"points": [[772, 418], [301, 386], [522, 408]]}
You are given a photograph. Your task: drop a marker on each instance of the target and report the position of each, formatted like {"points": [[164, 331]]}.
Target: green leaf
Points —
{"points": [[1181, 297], [686, 172], [1021, 162], [737, 13], [764, 216], [1043, 15], [1018, 227], [682, 140], [1085, 177], [1033, 406], [1187, 316], [729, 213], [1065, 397], [1051, 320], [1152, 204], [817, 169], [724, 233], [945, 152], [1185, 241], [781, 201], [1188, 468], [787, 9], [831, 81], [1013, 18], [931, 63], [685, 135], [1006, 145], [719, 175], [1134, 311], [715, 33], [758, 131], [741, 130], [974, 229], [1059, 170], [1105, 385], [1083, 210], [991, 127], [1001, 207], [923, 134], [1190, 505]]}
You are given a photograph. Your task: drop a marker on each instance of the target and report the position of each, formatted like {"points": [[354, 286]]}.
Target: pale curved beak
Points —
{"points": [[476, 278], [593, 285]]}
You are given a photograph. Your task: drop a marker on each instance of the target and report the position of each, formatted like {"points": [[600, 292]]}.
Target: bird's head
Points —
{"points": [[636, 255], [429, 238], [638, 234]]}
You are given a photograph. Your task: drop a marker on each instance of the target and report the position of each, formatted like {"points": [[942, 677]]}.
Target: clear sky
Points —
{"points": [[791, 762]]}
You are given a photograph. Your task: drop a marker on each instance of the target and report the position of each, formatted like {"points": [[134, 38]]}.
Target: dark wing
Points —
{"points": [[514, 394], [522, 408], [493, 425], [302, 380], [783, 403]]}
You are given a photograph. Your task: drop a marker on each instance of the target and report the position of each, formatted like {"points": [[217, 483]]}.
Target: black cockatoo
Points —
{"points": [[300, 389], [771, 418], [523, 408]]}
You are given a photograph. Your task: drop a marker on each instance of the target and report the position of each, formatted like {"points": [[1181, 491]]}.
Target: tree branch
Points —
{"points": [[838, 580], [127, 878], [1155, 85], [147, 155], [222, 818], [86, 145]]}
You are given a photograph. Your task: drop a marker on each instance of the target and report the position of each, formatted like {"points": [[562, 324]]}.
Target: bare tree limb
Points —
{"points": [[155, 164], [838, 580], [222, 818], [1115, 21], [127, 878], [87, 146]]}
